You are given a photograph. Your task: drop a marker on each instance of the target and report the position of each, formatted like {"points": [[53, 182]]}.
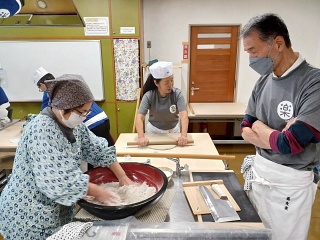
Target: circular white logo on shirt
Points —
{"points": [[173, 108], [4, 13], [285, 110]]}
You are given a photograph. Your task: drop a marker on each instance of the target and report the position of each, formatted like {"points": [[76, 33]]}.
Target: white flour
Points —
{"points": [[127, 194]]}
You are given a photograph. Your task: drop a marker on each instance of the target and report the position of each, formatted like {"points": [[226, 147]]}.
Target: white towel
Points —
{"points": [[71, 231], [247, 171]]}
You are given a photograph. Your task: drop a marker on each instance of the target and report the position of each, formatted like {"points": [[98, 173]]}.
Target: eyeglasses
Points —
{"points": [[83, 114]]}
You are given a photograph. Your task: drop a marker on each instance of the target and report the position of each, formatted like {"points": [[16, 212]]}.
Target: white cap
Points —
{"points": [[38, 74], [161, 69]]}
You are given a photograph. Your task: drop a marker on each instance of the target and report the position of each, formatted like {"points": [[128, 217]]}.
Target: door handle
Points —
{"points": [[193, 89]]}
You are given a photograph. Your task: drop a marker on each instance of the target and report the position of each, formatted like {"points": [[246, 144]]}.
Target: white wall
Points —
{"points": [[166, 25]]}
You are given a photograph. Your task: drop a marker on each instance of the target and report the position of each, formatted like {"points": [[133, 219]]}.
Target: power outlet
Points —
{"points": [[148, 44]]}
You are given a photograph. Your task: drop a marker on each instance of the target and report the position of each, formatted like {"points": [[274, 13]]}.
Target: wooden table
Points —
{"points": [[216, 112], [202, 146], [229, 114], [10, 137]]}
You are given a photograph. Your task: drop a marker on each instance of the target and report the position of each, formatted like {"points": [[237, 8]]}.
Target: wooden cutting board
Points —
{"points": [[196, 201]]}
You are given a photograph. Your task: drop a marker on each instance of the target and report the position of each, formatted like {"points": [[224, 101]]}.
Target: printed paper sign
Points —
{"points": [[96, 26], [127, 30]]}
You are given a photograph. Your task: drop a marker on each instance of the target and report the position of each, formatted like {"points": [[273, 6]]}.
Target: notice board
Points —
{"points": [[20, 59]]}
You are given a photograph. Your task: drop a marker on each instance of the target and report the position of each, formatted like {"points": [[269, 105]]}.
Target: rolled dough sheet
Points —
{"points": [[161, 147]]}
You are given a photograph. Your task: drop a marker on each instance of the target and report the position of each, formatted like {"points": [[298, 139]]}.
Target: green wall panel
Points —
{"points": [[21, 109], [41, 32], [92, 8], [108, 73], [126, 113], [125, 13]]}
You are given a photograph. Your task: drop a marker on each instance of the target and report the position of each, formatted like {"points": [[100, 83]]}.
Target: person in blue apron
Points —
{"points": [[165, 103], [5, 109], [97, 120], [46, 180], [282, 121]]}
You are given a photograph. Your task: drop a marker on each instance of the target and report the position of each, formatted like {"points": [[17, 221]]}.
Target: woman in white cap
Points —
{"points": [[165, 103], [46, 180]]}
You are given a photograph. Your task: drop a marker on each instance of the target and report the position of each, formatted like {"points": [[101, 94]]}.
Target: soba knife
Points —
{"points": [[219, 209]]}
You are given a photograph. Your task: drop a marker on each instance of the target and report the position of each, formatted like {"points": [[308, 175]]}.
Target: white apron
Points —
{"points": [[283, 198], [153, 129]]}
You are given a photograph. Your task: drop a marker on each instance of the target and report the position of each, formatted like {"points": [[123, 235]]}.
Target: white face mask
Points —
{"points": [[73, 121]]}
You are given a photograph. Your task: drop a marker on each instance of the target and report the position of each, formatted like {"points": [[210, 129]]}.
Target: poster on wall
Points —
{"points": [[96, 26], [185, 52]]}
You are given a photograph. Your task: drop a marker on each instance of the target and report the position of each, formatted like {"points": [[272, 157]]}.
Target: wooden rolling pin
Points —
{"points": [[164, 142], [176, 155]]}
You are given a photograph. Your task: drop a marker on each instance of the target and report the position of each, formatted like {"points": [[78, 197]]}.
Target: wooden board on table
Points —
{"points": [[195, 199]]}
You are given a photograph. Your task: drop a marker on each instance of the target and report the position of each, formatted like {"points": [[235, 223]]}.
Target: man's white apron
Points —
{"points": [[283, 198]]}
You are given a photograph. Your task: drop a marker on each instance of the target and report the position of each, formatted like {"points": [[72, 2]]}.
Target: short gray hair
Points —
{"points": [[268, 26]]}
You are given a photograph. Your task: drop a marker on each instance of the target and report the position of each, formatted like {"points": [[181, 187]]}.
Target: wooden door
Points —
{"points": [[213, 54]]}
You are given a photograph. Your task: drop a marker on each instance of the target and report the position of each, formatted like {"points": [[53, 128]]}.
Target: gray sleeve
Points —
{"points": [[145, 104], [181, 103], [309, 109], [251, 107], [251, 110]]}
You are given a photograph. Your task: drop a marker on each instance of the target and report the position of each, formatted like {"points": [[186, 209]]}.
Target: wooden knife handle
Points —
{"points": [[167, 142], [217, 189]]}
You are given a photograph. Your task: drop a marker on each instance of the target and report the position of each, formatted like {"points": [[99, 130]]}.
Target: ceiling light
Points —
{"points": [[42, 4]]}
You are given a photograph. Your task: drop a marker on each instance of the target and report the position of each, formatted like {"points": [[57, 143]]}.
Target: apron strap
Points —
{"points": [[262, 181]]}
